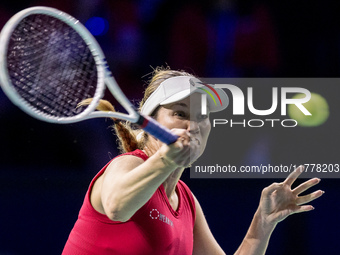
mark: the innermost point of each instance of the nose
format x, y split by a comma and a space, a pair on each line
193, 127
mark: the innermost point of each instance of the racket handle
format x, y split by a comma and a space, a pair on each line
158, 131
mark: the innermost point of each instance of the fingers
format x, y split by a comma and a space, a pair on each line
293, 176
299, 209
304, 208
185, 137
183, 151
180, 132
305, 186
271, 188
310, 197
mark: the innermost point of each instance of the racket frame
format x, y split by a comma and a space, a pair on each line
103, 73
104, 78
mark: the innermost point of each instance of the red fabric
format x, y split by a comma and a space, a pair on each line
154, 229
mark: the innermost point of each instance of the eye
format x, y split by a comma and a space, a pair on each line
202, 117
180, 114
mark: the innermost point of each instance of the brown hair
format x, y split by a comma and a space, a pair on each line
129, 137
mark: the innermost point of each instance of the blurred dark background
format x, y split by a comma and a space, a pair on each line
45, 169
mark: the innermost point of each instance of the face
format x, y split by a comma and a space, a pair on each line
179, 115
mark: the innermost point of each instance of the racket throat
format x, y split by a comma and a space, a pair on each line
155, 129
142, 121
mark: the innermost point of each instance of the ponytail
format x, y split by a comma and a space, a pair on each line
129, 138
126, 135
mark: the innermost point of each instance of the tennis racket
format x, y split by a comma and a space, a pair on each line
49, 63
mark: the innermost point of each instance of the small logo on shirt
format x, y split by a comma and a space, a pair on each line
156, 215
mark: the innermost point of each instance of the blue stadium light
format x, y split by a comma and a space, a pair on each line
97, 26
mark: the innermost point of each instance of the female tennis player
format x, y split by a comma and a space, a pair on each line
137, 203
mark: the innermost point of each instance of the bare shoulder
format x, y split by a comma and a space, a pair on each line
116, 168
124, 163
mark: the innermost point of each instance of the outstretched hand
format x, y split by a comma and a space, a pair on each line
279, 200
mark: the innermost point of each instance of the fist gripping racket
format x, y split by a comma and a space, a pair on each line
49, 63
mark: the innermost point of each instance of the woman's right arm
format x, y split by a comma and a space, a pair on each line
129, 182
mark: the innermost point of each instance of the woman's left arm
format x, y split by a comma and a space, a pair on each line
277, 202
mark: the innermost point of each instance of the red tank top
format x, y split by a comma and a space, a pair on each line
154, 229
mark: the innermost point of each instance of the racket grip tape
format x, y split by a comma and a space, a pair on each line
155, 129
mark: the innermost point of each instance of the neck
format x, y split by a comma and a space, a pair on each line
171, 182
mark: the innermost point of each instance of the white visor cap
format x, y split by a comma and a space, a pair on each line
177, 88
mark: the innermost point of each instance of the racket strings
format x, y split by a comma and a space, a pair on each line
50, 66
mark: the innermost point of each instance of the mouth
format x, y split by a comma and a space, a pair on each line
195, 140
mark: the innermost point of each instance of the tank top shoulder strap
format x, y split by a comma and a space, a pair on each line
138, 153
185, 190
87, 207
